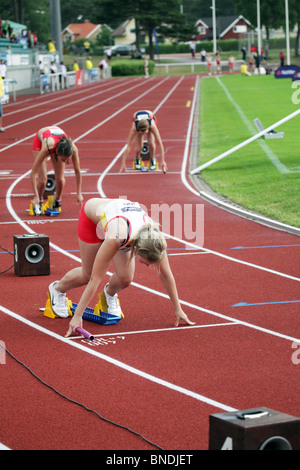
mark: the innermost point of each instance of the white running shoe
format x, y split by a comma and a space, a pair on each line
113, 307
58, 302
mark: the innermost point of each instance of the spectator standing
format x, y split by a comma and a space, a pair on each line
282, 57
5, 29
203, 55
193, 49
53, 68
51, 46
107, 52
251, 63
244, 50
146, 67
87, 46
63, 75
218, 62
2, 69
102, 66
89, 66
76, 66
231, 61
209, 63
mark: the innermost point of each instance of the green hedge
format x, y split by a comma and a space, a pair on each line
127, 67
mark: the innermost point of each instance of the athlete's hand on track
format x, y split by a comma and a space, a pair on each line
74, 323
181, 316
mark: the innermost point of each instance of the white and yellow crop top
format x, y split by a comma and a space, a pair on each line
131, 212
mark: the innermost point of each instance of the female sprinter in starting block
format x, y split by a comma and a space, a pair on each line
52, 141
143, 122
120, 231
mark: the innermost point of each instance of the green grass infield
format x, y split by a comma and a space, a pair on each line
264, 175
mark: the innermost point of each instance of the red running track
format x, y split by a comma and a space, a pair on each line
142, 373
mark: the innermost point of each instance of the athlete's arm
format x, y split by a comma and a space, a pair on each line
132, 134
76, 165
168, 281
155, 132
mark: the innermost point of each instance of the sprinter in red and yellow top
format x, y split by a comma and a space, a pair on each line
53, 142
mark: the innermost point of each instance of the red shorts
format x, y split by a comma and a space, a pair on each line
88, 231
37, 144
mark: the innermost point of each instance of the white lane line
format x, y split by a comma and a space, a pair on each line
71, 103
119, 364
159, 330
76, 115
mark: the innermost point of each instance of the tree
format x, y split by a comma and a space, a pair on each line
294, 19
271, 14
162, 15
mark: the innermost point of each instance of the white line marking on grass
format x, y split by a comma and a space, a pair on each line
271, 155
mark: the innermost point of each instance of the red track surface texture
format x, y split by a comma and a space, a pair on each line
159, 381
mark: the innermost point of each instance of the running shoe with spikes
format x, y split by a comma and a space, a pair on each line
113, 307
58, 301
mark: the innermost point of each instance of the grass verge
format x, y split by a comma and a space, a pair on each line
249, 176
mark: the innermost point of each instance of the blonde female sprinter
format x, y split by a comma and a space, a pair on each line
120, 231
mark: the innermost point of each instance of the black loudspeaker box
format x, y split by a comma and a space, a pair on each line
254, 429
31, 253
50, 185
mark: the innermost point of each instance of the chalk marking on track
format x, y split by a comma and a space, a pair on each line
120, 364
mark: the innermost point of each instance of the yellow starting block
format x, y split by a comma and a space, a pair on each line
48, 312
145, 165
46, 208
98, 315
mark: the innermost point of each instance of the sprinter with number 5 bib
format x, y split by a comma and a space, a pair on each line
144, 123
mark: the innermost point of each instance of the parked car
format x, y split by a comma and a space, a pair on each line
121, 50
127, 50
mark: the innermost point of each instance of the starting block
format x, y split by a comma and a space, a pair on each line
47, 208
96, 315
146, 165
145, 162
